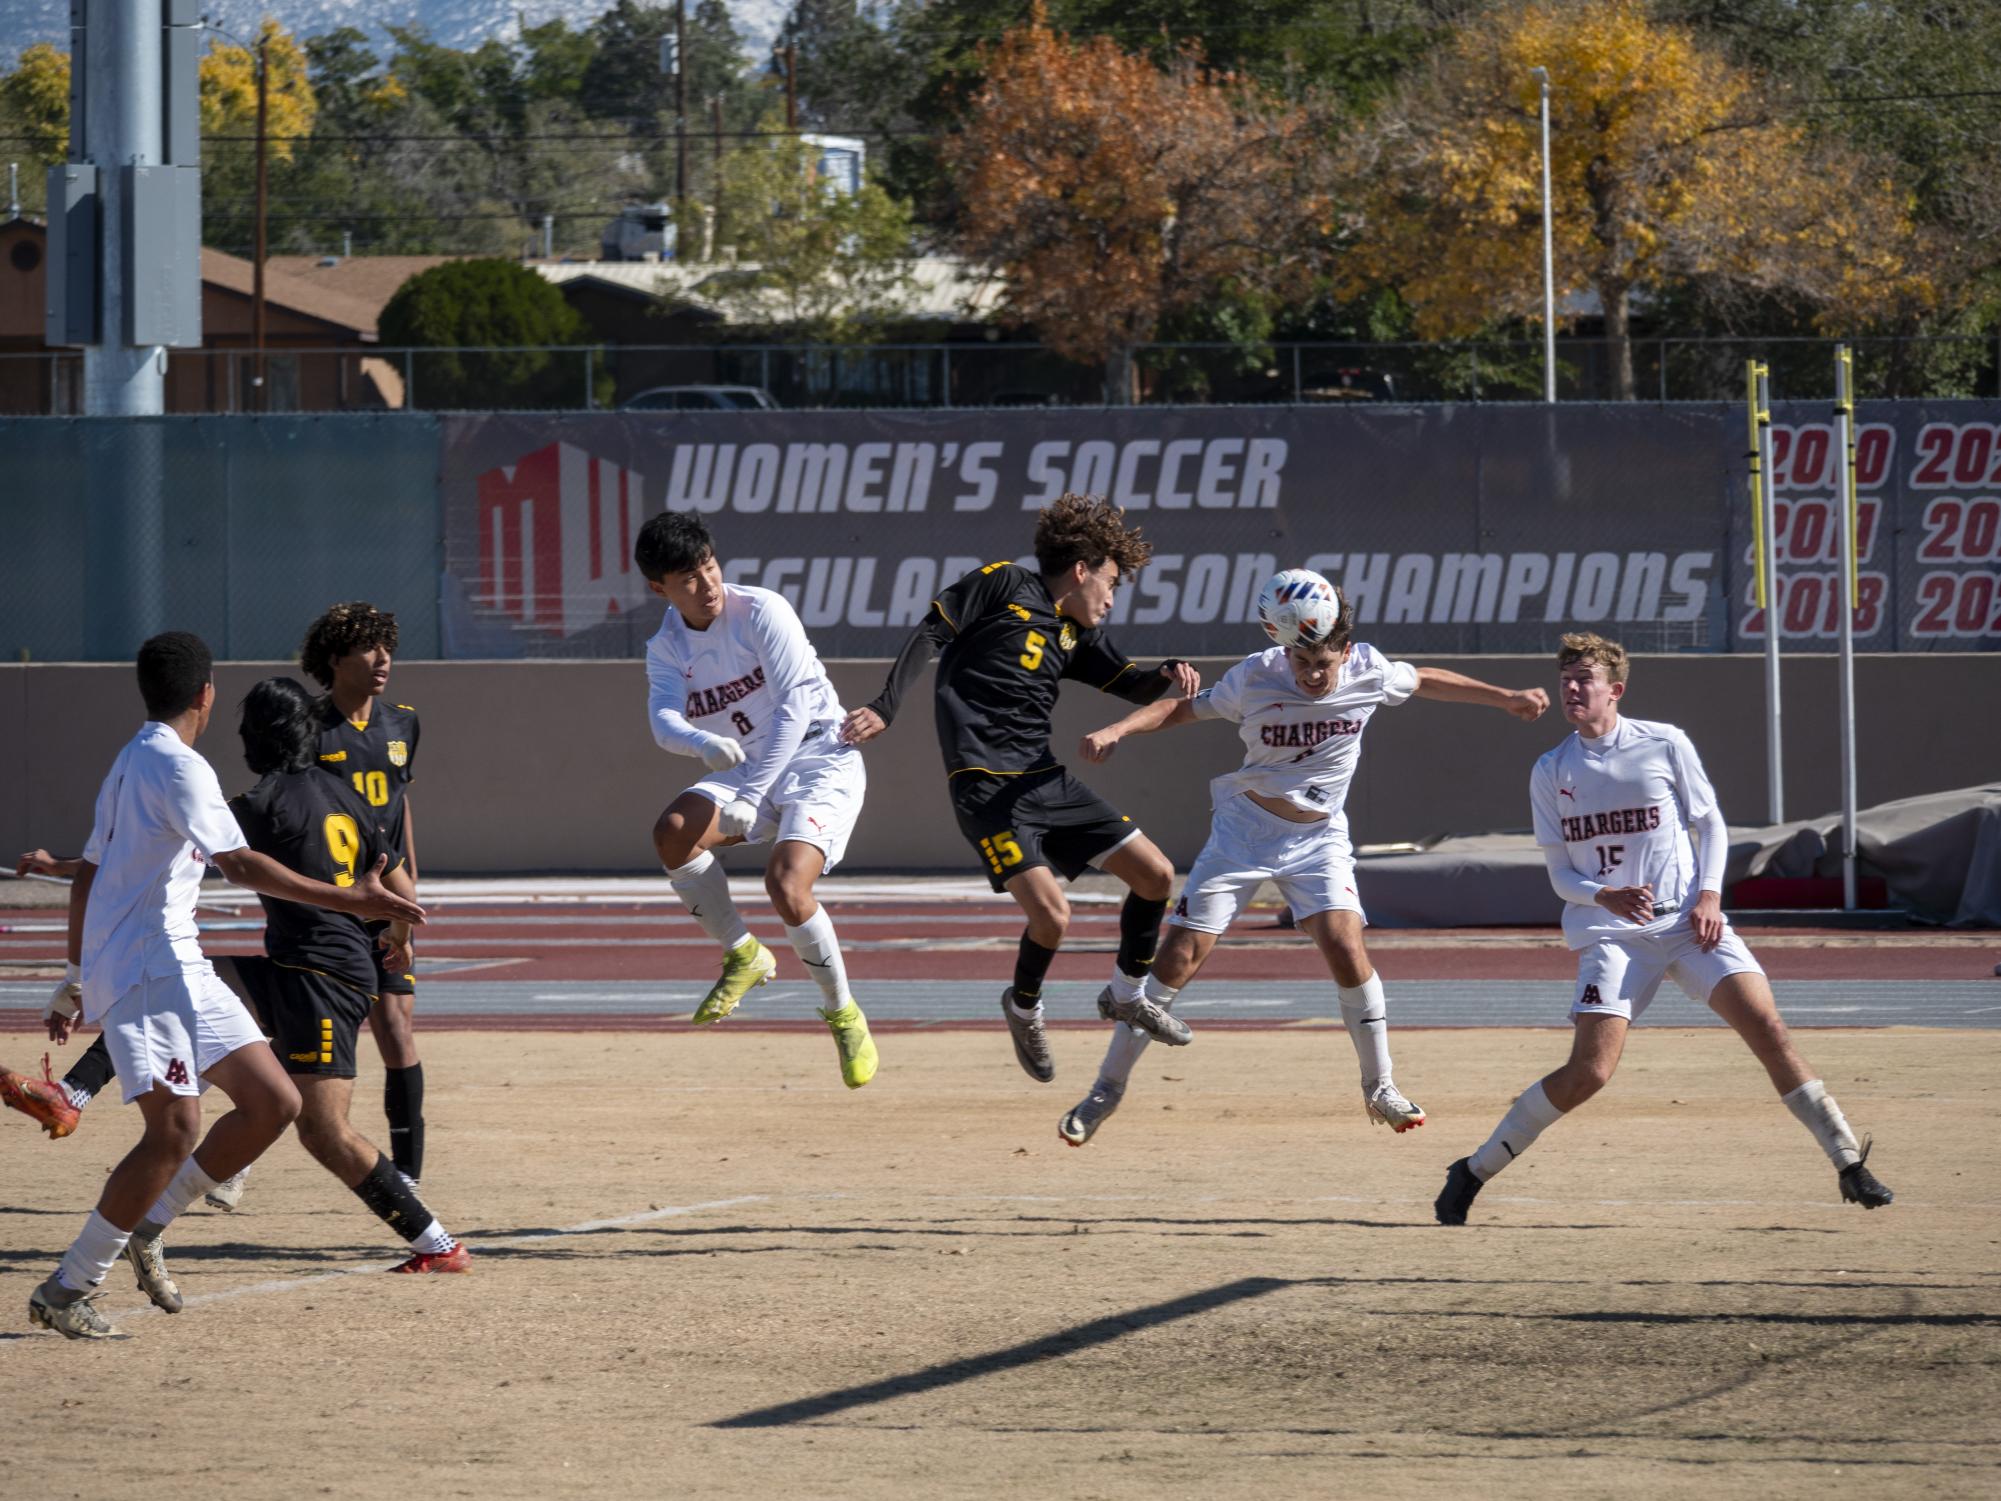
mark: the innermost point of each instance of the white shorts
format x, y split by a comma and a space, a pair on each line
1310, 864
816, 799
172, 1029
1618, 976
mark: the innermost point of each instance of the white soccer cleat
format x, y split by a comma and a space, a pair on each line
1388, 1107
227, 1194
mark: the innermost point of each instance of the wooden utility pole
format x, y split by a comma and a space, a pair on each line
680, 114
260, 397
791, 87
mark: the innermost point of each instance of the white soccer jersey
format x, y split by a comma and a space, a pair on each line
1299, 748
160, 817
730, 678
1620, 807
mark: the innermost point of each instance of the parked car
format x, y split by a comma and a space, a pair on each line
701, 399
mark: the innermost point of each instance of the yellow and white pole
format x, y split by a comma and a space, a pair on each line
1851, 599
1764, 537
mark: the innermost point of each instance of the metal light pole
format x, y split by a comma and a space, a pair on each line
1541, 76
1844, 449
257, 314
680, 117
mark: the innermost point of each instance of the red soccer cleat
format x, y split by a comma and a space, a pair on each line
457, 1259
44, 1099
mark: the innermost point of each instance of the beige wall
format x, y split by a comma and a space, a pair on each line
548, 765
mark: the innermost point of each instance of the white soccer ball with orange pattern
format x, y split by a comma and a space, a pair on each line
1299, 607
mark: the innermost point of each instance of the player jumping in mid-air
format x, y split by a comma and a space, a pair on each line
1300, 708
733, 681
1613, 805
171, 1025
1011, 635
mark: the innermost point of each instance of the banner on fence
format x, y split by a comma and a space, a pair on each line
1453, 529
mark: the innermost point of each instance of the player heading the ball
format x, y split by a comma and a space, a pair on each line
1010, 636
1300, 708
733, 682
1613, 804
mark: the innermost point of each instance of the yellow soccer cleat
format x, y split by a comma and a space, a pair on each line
852, 1042
745, 967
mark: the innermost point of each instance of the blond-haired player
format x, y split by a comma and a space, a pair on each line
1614, 803
1300, 708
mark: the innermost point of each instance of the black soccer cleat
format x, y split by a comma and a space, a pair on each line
1462, 1187
1860, 1186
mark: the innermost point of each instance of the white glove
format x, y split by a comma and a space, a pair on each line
68, 998
720, 753
735, 821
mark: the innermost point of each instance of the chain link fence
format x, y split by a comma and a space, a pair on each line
998, 373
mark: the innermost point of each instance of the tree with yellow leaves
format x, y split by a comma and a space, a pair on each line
229, 91
1112, 193
1665, 165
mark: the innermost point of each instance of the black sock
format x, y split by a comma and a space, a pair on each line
392, 1200
403, 1103
1139, 934
92, 1071
1031, 965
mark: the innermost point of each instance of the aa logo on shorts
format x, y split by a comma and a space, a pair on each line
177, 1072
1067, 638
1591, 997
399, 753
1181, 907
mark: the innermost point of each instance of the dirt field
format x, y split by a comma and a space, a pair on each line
704, 1266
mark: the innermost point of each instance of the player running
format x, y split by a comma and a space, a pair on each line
733, 681
172, 1027
1010, 636
1300, 708
1613, 805
372, 747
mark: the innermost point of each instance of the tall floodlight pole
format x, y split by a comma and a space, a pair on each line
680, 117
1541, 76
123, 282
261, 248
1850, 586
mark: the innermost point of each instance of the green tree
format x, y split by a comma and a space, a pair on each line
479, 305
812, 262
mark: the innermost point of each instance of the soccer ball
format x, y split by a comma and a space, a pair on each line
1299, 607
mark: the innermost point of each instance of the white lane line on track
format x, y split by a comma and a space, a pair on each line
531, 1237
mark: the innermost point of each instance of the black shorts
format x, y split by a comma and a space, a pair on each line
385, 982
312, 1018
1040, 818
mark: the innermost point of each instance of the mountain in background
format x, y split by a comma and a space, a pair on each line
455, 23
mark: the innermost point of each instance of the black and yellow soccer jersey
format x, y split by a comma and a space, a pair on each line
377, 760
1006, 654
313, 825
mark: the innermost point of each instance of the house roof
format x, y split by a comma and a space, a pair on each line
941, 287
367, 280
234, 274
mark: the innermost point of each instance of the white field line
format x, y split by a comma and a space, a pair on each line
317, 1279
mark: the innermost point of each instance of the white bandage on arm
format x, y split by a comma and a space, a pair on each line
1571, 883
1712, 850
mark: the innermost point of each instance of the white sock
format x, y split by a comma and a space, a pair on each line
1026, 1013
433, 1242
189, 1184
1366, 1016
1816, 1110
93, 1253
814, 942
1124, 986
78, 1097
703, 886
1530, 1116
1129, 1042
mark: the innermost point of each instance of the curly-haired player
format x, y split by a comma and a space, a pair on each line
1010, 636
373, 748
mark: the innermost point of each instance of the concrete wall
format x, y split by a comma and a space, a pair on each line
548, 765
